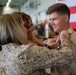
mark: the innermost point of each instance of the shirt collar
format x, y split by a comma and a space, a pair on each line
70, 30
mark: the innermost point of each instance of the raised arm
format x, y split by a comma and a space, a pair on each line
36, 57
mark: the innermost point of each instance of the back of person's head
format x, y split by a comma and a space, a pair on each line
60, 8
10, 29
26, 18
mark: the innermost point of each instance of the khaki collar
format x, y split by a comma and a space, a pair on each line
70, 30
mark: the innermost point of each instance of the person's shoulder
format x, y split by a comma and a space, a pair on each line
25, 47
34, 48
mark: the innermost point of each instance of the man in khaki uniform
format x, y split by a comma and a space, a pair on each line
59, 15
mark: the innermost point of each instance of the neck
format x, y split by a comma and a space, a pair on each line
66, 27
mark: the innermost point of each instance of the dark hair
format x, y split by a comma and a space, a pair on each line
60, 8
0, 47
26, 18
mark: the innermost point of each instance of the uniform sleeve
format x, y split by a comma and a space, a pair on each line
44, 57
36, 57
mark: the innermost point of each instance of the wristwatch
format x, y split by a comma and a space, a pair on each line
47, 46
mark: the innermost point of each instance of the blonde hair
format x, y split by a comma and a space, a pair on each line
10, 30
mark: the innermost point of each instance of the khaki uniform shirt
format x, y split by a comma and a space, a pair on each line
70, 70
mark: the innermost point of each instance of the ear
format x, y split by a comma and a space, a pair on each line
66, 18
